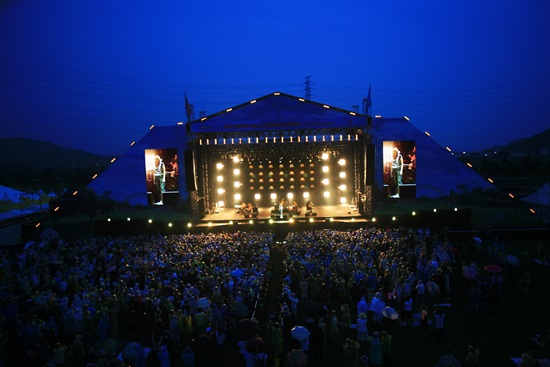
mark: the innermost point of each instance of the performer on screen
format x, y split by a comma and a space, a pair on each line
396, 171
159, 175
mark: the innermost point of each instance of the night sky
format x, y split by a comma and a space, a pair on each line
96, 75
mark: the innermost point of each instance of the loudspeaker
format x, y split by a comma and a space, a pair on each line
190, 170
370, 165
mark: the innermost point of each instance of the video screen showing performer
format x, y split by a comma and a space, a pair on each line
399, 159
162, 174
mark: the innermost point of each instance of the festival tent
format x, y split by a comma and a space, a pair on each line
539, 197
9, 194
438, 172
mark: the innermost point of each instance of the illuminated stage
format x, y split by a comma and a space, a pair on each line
326, 212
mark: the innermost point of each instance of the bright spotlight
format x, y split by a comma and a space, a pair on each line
128, 219
325, 169
221, 191
324, 156
342, 187
219, 165
310, 220
393, 218
170, 225
237, 197
413, 213
342, 162
150, 221
271, 221
236, 171
273, 196
343, 200
250, 221
435, 210
306, 195
291, 220
219, 178
290, 196
236, 184
326, 194
257, 196
324, 181
342, 174
189, 225
236, 159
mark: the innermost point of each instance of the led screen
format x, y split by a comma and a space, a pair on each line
399, 159
162, 176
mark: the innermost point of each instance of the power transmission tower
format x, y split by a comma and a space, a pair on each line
307, 88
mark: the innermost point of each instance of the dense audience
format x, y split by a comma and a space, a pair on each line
192, 300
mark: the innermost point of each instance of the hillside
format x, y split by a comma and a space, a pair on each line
37, 153
533, 145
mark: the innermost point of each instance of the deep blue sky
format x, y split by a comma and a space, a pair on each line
95, 75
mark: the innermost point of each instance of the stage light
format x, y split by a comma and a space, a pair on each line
128, 219
343, 200
373, 219
342, 162
219, 165
170, 225
221, 191
413, 213
257, 196
231, 222
219, 178
150, 221
325, 169
189, 225
236, 171
253, 101
108, 219
326, 194
326, 106
250, 221
510, 195
456, 209
301, 100
229, 110
236, 159
324, 156
270, 221
353, 219
324, 181
469, 164
427, 133
342, 174
236, 184
331, 219
291, 220
435, 210
273, 196
290, 196
237, 197
306, 195
209, 224
532, 210
310, 220
342, 187
94, 176
393, 218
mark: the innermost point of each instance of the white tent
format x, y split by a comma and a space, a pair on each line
540, 197
9, 194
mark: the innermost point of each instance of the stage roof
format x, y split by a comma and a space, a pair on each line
279, 111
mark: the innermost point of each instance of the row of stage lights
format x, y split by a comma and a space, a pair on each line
274, 221
300, 179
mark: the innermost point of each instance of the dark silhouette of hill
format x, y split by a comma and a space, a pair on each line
37, 153
533, 145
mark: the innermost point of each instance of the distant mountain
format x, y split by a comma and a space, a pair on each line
537, 144
37, 153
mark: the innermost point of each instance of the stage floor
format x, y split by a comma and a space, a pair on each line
342, 211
